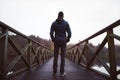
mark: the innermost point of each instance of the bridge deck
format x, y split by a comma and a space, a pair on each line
44, 72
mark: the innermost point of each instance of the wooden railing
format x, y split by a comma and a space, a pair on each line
17, 56
79, 53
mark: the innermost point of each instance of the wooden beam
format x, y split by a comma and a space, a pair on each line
115, 36
100, 60
3, 53
112, 57
97, 51
19, 52
83, 52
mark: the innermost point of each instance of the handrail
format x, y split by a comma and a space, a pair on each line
19, 33
32, 53
113, 25
79, 52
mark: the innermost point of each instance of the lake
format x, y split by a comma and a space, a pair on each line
102, 69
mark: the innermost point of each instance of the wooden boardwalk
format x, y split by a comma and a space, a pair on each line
44, 72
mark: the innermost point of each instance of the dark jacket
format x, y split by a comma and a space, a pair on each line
58, 31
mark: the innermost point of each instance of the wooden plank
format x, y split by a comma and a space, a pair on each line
100, 60
104, 65
17, 72
15, 48
3, 35
83, 52
75, 53
118, 72
34, 57
112, 57
74, 72
16, 59
111, 26
97, 72
3, 53
0, 73
115, 36
13, 63
37, 54
97, 51
3, 25
101, 73
29, 53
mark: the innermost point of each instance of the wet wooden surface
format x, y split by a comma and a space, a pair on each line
45, 72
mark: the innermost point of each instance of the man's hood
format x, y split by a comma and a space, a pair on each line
60, 21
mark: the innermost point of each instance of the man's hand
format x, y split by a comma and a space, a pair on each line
68, 39
53, 40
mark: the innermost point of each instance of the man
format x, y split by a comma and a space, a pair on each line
58, 31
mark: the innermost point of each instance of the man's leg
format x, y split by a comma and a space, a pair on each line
55, 61
63, 52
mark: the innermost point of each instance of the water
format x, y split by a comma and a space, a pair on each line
102, 69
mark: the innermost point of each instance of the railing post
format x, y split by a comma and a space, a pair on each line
3, 53
86, 53
71, 54
112, 57
29, 53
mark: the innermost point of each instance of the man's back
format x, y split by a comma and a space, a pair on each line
60, 27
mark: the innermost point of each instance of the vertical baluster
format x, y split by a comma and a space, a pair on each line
86, 53
112, 58
71, 54
3, 53
29, 53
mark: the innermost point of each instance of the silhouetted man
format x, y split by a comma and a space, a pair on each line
60, 34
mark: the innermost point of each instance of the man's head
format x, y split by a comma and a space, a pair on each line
60, 15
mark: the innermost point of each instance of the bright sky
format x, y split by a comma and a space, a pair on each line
36, 16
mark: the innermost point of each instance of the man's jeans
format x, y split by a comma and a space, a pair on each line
62, 46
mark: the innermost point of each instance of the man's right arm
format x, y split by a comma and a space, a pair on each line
52, 32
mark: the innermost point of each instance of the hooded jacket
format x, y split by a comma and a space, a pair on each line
58, 30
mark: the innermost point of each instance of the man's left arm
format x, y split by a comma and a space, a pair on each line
69, 32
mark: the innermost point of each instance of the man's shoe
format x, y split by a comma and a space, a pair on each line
63, 74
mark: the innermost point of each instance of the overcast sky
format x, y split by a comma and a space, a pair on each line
36, 16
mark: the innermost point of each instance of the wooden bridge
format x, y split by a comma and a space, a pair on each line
30, 60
